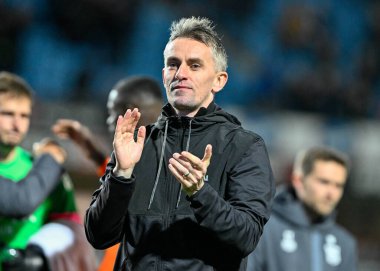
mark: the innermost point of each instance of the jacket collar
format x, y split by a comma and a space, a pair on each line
169, 111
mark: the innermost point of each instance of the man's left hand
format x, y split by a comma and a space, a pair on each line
190, 170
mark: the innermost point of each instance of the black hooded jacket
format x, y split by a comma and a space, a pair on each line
159, 226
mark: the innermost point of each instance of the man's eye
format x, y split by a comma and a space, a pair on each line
195, 66
172, 65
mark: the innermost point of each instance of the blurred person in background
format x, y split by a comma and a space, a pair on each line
170, 205
50, 236
302, 233
140, 92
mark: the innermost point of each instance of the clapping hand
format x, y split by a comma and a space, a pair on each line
190, 170
128, 151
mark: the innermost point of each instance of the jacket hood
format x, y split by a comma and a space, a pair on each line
287, 207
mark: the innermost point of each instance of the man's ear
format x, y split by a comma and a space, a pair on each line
219, 82
297, 181
163, 76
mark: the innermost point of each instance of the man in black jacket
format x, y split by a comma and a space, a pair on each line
194, 190
302, 233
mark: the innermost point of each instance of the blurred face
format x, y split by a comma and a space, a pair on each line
14, 119
117, 104
322, 189
189, 76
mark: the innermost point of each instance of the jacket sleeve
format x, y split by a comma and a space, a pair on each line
105, 216
20, 199
239, 216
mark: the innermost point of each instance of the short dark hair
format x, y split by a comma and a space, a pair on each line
14, 85
305, 160
138, 84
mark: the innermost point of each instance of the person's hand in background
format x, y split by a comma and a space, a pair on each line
82, 136
52, 147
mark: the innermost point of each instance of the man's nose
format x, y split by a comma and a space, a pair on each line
182, 72
16, 123
334, 192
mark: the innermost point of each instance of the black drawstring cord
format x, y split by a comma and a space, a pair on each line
187, 149
159, 166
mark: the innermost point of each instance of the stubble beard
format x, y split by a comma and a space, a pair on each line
184, 107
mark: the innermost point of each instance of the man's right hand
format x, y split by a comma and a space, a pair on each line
128, 151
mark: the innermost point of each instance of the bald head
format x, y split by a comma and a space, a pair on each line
141, 92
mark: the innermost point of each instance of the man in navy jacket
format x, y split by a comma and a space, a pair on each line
194, 190
302, 233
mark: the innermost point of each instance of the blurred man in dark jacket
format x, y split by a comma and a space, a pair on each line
302, 233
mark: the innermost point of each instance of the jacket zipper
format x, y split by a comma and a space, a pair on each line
316, 253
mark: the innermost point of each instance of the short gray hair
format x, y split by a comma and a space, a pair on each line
202, 30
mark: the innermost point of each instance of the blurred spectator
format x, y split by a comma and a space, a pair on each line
51, 236
302, 233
